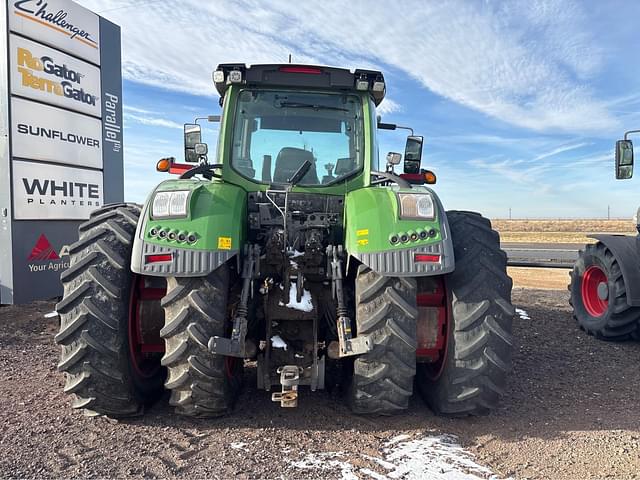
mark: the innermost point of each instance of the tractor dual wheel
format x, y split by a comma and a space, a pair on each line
468, 371
382, 381
108, 368
202, 384
598, 296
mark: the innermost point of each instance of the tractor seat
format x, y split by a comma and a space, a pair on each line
289, 160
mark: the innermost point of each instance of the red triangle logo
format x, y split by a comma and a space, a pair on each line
43, 250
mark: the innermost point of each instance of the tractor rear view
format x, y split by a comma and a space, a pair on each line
605, 281
294, 250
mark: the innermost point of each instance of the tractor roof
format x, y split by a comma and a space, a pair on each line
300, 76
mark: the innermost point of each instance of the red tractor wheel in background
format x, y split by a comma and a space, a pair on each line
598, 296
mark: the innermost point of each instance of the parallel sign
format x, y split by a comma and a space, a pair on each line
43, 191
50, 76
58, 23
41, 132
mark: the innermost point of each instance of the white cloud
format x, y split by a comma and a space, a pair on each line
388, 107
153, 121
560, 149
527, 63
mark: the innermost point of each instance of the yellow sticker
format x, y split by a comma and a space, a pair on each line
363, 241
224, 243
362, 233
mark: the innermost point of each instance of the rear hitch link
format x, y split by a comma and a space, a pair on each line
348, 345
237, 346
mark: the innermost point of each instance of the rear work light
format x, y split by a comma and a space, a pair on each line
158, 258
300, 69
218, 76
426, 257
235, 76
378, 86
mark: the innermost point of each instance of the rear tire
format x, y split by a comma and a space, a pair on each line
382, 380
610, 320
479, 341
202, 384
94, 319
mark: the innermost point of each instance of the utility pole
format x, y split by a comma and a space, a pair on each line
509, 213
608, 212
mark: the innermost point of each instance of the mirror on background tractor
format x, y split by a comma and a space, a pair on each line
624, 159
192, 137
413, 154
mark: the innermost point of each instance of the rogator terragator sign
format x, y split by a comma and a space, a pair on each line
60, 137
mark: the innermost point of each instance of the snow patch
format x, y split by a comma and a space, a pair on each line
305, 304
51, 315
522, 314
327, 461
278, 342
239, 446
438, 457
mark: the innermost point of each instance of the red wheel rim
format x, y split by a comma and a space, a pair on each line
143, 356
436, 353
592, 278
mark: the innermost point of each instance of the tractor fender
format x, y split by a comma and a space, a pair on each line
215, 216
626, 250
373, 220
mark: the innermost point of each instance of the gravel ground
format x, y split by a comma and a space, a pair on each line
571, 411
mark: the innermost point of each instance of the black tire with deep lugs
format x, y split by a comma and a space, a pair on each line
94, 313
479, 341
386, 310
202, 384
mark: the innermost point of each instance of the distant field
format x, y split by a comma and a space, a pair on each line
559, 231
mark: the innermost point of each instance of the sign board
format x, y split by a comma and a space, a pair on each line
43, 191
41, 132
60, 137
58, 23
50, 76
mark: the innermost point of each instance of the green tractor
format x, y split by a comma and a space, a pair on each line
605, 281
295, 251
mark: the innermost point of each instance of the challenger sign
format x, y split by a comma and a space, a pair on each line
60, 137
59, 23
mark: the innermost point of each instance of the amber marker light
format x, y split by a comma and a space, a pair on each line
163, 165
429, 177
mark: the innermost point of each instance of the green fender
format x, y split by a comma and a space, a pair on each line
372, 220
216, 216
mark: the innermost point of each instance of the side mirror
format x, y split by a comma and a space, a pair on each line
192, 137
413, 154
624, 159
393, 158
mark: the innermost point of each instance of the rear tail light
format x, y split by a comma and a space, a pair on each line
158, 258
426, 257
300, 69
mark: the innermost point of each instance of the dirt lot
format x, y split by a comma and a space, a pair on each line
559, 231
571, 411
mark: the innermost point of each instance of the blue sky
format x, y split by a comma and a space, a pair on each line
520, 102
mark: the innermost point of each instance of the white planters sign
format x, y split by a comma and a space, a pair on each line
50, 76
59, 23
41, 132
49, 192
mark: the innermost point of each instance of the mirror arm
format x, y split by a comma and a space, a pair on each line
626, 134
391, 177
